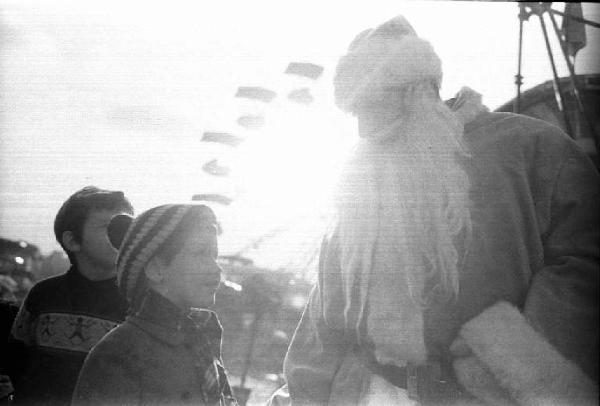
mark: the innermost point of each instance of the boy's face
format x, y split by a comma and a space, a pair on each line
193, 275
95, 251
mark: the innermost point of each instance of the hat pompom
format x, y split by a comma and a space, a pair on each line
117, 228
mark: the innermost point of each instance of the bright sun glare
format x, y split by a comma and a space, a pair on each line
294, 161
124, 92
285, 173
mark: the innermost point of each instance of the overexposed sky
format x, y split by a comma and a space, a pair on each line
119, 95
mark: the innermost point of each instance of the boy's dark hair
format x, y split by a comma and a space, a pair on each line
74, 212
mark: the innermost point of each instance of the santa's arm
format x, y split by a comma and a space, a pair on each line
316, 350
562, 302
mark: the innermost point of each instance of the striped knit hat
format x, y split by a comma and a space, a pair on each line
139, 239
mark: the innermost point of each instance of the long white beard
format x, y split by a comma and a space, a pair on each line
402, 204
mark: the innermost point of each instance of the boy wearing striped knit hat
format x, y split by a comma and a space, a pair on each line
168, 349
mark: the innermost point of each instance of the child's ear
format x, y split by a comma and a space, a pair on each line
155, 270
69, 242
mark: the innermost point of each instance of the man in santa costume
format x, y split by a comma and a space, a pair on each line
463, 264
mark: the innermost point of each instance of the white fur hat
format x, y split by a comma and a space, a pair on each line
391, 55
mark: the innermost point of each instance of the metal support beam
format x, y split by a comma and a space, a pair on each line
523, 15
560, 98
572, 17
580, 106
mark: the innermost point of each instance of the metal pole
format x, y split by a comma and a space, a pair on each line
572, 17
518, 78
557, 90
253, 333
580, 106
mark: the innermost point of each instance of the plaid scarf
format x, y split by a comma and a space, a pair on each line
202, 330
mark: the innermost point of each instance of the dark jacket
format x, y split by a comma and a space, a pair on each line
61, 319
157, 356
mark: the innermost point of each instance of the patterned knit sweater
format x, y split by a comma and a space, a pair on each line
61, 319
